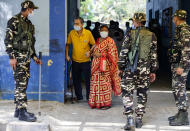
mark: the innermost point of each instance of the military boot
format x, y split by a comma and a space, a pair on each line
181, 119
16, 114
171, 118
130, 126
138, 122
25, 116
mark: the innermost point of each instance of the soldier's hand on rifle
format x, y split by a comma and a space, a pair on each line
152, 77
179, 71
38, 61
13, 63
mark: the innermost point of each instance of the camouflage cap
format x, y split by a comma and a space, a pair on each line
28, 4
140, 17
181, 14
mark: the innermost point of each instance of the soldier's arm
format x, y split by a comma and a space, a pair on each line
185, 53
123, 57
34, 56
153, 55
12, 29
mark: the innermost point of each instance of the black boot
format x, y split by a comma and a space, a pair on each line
16, 114
130, 126
171, 118
139, 123
181, 119
25, 116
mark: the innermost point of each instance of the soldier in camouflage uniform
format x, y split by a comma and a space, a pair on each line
180, 66
139, 76
19, 42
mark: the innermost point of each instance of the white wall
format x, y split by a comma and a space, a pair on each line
8, 8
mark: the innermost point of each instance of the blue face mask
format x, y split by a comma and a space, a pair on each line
77, 28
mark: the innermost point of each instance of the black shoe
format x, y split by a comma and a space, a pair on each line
25, 116
139, 123
171, 118
31, 114
16, 114
130, 126
181, 119
79, 98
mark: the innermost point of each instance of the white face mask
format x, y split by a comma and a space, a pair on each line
77, 28
31, 14
104, 34
133, 26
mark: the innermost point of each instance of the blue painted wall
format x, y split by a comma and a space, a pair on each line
53, 77
57, 47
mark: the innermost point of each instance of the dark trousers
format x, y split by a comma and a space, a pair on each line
77, 70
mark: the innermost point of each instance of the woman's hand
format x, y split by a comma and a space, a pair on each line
97, 55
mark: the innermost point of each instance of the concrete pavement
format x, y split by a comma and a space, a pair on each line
79, 117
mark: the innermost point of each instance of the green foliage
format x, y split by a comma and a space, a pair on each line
106, 10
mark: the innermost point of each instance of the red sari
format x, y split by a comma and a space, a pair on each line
103, 83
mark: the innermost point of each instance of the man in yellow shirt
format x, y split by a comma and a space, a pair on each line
81, 40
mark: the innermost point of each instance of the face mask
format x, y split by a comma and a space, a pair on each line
77, 28
31, 14
104, 34
133, 26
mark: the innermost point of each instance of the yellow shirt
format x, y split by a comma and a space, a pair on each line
80, 45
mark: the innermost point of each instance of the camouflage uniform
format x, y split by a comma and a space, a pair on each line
182, 43
14, 42
139, 79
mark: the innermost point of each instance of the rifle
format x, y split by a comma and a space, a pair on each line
134, 53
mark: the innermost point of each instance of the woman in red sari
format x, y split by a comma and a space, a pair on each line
106, 80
